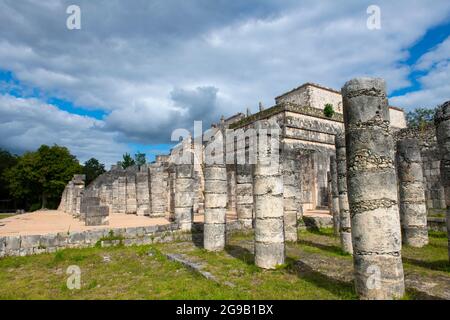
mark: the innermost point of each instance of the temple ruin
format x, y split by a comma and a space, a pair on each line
358, 162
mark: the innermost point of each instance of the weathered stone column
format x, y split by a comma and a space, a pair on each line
291, 192
121, 194
184, 196
244, 194
334, 205
345, 229
216, 195
115, 196
269, 209
70, 196
372, 190
131, 205
157, 191
142, 192
442, 122
413, 211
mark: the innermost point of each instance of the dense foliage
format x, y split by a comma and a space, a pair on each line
92, 169
38, 178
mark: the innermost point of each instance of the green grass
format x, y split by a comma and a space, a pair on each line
4, 216
143, 272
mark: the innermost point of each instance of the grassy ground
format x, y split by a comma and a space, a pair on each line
143, 272
3, 216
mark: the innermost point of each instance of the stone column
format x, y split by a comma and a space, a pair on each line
115, 196
291, 193
184, 196
345, 229
142, 192
121, 194
334, 205
131, 193
442, 122
269, 209
157, 191
244, 194
413, 211
372, 190
216, 196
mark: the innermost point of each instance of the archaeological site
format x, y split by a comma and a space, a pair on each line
270, 176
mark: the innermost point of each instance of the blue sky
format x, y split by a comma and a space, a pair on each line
131, 75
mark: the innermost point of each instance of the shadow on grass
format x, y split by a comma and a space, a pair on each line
241, 253
438, 265
305, 272
325, 247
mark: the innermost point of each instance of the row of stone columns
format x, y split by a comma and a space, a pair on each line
442, 122
334, 199
291, 193
345, 230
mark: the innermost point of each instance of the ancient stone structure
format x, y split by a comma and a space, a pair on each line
244, 194
372, 190
429, 152
184, 195
334, 205
269, 209
413, 212
442, 122
306, 140
216, 194
271, 199
345, 229
143, 204
291, 193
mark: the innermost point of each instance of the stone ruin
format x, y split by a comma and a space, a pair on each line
378, 178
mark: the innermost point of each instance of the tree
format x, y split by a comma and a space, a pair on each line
92, 169
7, 160
328, 111
127, 161
43, 174
139, 158
420, 117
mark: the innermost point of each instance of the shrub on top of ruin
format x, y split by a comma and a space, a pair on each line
420, 118
328, 111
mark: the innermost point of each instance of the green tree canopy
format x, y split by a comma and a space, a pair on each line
43, 174
127, 161
140, 159
92, 169
7, 160
420, 117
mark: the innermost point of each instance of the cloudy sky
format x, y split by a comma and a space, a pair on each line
136, 69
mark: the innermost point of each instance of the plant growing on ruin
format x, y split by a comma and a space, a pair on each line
420, 118
328, 111
127, 161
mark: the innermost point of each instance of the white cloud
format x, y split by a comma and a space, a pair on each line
25, 124
435, 83
156, 66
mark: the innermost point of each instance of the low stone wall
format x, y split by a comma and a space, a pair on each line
437, 224
25, 245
